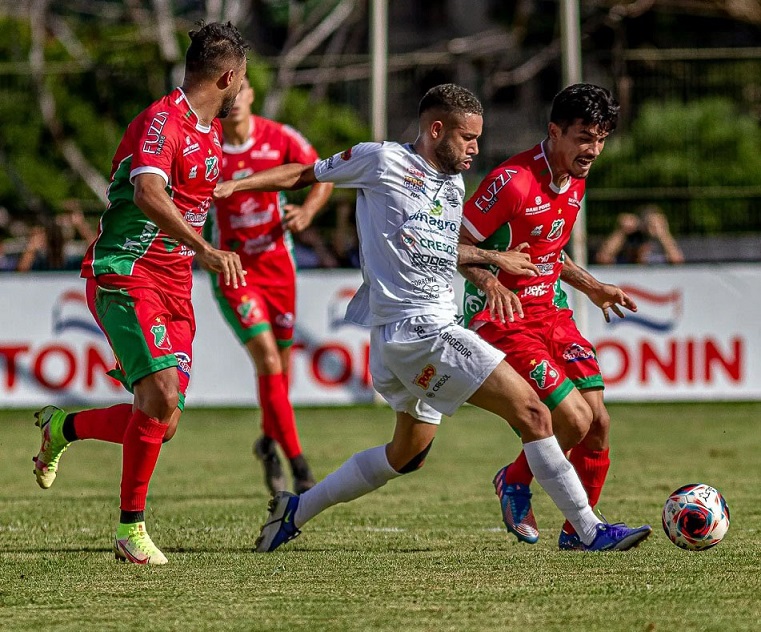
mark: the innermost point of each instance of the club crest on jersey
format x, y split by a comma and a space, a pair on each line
436, 208
212, 168
249, 312
556, 230
347, 154
160, 336
426, 375
544, 374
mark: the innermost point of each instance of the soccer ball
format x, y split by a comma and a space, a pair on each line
696, 517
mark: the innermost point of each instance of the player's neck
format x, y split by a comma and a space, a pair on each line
238, 133
205, 108
559, 178
426, 153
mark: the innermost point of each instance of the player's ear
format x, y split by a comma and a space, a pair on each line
554, 131
436, 128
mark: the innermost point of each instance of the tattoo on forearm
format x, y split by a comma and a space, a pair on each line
477, 276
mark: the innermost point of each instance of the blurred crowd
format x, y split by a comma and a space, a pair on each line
58, 242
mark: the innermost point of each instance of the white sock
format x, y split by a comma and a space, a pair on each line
362, 473
561, 482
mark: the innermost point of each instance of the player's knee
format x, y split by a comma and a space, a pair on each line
577, 423
599, 430
416, 462
534, 420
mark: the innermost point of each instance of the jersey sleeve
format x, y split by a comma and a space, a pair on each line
298, 148
359, 167
495, 202
157, 139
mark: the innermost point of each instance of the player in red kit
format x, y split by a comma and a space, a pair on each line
530, 202
139, 277
256, 226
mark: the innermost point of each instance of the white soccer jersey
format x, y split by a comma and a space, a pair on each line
408, 221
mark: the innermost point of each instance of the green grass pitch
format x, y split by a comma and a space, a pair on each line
426, 552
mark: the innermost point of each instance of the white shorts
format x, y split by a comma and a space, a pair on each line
427, 368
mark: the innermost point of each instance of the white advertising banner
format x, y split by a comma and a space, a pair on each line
693, 338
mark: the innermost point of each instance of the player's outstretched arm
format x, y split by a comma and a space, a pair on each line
152, 199
288, 177
605, 295
298, 217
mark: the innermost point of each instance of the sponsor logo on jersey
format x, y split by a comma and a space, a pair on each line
436, 209
488, 198
154, 139
132, 246
440, 382
438, 246
414, 184
575, 352
574, 201
423, 379
540, 289
160, 336
539, 207
474, 303
435, 222
191, 149
196, 218
257, 245
432, 262
212, 168
556, 230
456, 344
451, 195
545, 269
545, 258
416, 172
329, 163
420, 331
193, 172
183, 362
242, 173
428, 288
265, 152
346, 155
537, 230
544, 374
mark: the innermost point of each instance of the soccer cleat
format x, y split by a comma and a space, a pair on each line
50, 421
618, 537
279, 527
274, 478
517, 514
570, 541
132, 544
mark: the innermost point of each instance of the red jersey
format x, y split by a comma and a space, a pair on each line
250, 222
166, 139
517, 203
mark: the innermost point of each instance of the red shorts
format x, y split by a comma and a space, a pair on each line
254, 308
547, 349
148, 329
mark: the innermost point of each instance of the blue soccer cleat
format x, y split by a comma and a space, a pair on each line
618, 537
570, 541
517, 515
279, 527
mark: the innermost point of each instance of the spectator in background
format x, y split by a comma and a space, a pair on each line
311, 251
643, 238
345, 239
57, 243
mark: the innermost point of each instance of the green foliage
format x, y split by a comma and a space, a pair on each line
683, 149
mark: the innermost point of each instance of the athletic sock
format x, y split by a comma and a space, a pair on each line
140, 452
519, 471
558, 478
592, 467
278, 420
300, 468
104, 424
362, 473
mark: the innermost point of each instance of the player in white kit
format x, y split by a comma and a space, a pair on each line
409, 209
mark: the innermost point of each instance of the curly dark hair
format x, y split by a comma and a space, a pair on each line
214, 47
591, 104
450, 98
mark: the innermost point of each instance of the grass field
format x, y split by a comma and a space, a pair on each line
427, 552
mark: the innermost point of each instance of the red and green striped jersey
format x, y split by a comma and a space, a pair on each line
166, 139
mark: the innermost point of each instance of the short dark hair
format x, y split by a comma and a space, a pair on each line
213, 48
591, 104
450, 98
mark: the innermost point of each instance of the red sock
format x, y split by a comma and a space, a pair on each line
104, 424
592, 467
519, 471
141, 447
278, 420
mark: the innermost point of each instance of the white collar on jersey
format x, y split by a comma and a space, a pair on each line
554, 189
